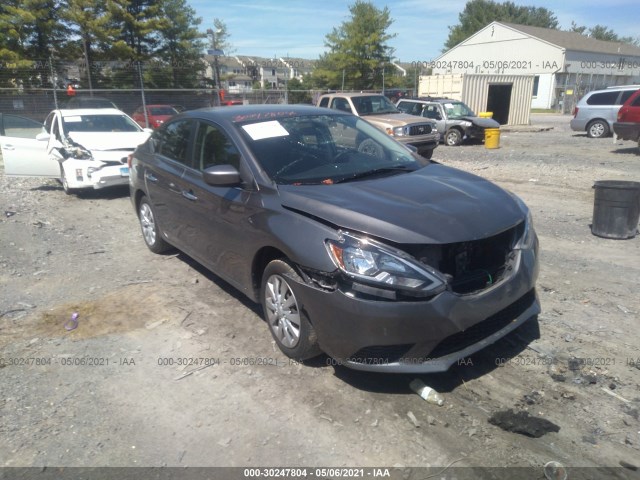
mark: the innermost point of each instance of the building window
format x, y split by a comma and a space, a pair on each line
273, 72
536, 82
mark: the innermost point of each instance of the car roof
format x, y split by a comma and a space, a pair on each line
353, 94
431, 99
89, 111
613, 89
247, 113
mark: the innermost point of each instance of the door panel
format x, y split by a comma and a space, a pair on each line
22, 154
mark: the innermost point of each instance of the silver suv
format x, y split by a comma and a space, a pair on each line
454, 119
597, 110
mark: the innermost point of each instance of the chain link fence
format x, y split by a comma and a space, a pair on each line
32, 89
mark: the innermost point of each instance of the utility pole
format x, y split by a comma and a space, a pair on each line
215, 52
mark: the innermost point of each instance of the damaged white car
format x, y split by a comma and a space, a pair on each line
83, 148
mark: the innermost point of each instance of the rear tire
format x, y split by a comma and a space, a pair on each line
289, 325
597, 129
150, 229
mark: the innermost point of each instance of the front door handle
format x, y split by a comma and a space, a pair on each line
8, 147
189, 195
151, 177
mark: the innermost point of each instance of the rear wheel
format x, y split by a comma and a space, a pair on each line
150, 230
289, 325
597, 129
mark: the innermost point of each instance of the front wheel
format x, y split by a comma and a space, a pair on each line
426, 152
598, 129
150, 230
289, 325
453, 138
65, 183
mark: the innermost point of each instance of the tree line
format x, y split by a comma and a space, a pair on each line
159, 43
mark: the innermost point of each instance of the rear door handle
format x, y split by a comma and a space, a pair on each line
151, 177
189, 195
8, 147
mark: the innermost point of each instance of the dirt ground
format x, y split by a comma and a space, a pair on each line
170, 366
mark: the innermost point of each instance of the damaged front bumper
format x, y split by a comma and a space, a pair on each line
421, 335
95, 174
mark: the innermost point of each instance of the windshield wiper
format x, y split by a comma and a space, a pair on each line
375, 171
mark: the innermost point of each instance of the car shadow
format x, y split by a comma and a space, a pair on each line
635, 150
477, 365
110, 193
219, 282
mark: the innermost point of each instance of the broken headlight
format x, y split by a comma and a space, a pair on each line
528, 236
372, 263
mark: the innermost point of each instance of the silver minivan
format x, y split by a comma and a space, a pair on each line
597, 110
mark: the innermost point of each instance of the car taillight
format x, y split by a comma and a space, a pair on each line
620, 114
129, 160
575, 112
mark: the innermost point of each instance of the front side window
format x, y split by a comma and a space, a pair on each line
213, 147
172, 141
326, 149
20, 127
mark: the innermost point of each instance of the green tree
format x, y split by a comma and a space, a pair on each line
358, 50
601, 32
31, 29
298, 92
92, 24
477, 14
178, 58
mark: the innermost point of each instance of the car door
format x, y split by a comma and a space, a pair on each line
23, 154
217, 217
163, 176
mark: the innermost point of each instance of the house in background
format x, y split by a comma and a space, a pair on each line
565, 65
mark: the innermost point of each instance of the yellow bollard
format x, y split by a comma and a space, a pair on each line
492, 138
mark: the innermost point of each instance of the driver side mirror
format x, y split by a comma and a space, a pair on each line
221, 176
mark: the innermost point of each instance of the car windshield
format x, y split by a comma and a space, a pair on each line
162, 110
99, 123
326, 149
373, 105
458, 110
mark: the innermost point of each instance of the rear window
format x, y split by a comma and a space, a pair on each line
626, 96
162, 111
636, 101
604, 98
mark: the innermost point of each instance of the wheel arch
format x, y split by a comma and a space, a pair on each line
261, 259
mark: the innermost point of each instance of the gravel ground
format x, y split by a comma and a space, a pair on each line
115, 391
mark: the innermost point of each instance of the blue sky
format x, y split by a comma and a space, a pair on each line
272, 28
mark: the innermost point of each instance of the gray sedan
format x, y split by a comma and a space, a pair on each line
353, 244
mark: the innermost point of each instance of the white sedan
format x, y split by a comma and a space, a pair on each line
84, 148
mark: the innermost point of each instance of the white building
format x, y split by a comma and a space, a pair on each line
565, 65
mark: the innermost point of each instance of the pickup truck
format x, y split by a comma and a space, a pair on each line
628, 125
381, 113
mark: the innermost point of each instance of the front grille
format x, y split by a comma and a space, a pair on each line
482, 330
421, 129
471, 266
380, 354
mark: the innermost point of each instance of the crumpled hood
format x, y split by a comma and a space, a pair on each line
436, 204
109, 140
482, 122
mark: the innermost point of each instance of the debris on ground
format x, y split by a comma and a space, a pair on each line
523, 423
413, 419
555, 471
427, 393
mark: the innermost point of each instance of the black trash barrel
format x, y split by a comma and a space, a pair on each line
616, 209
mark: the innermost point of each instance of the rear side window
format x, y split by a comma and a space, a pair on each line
604, 98
173, 141
625, 96
324, 102
412, 108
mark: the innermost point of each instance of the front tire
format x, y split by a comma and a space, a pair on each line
597, 129
453, 137
289, 325
426, 153
150, 230
65, 183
